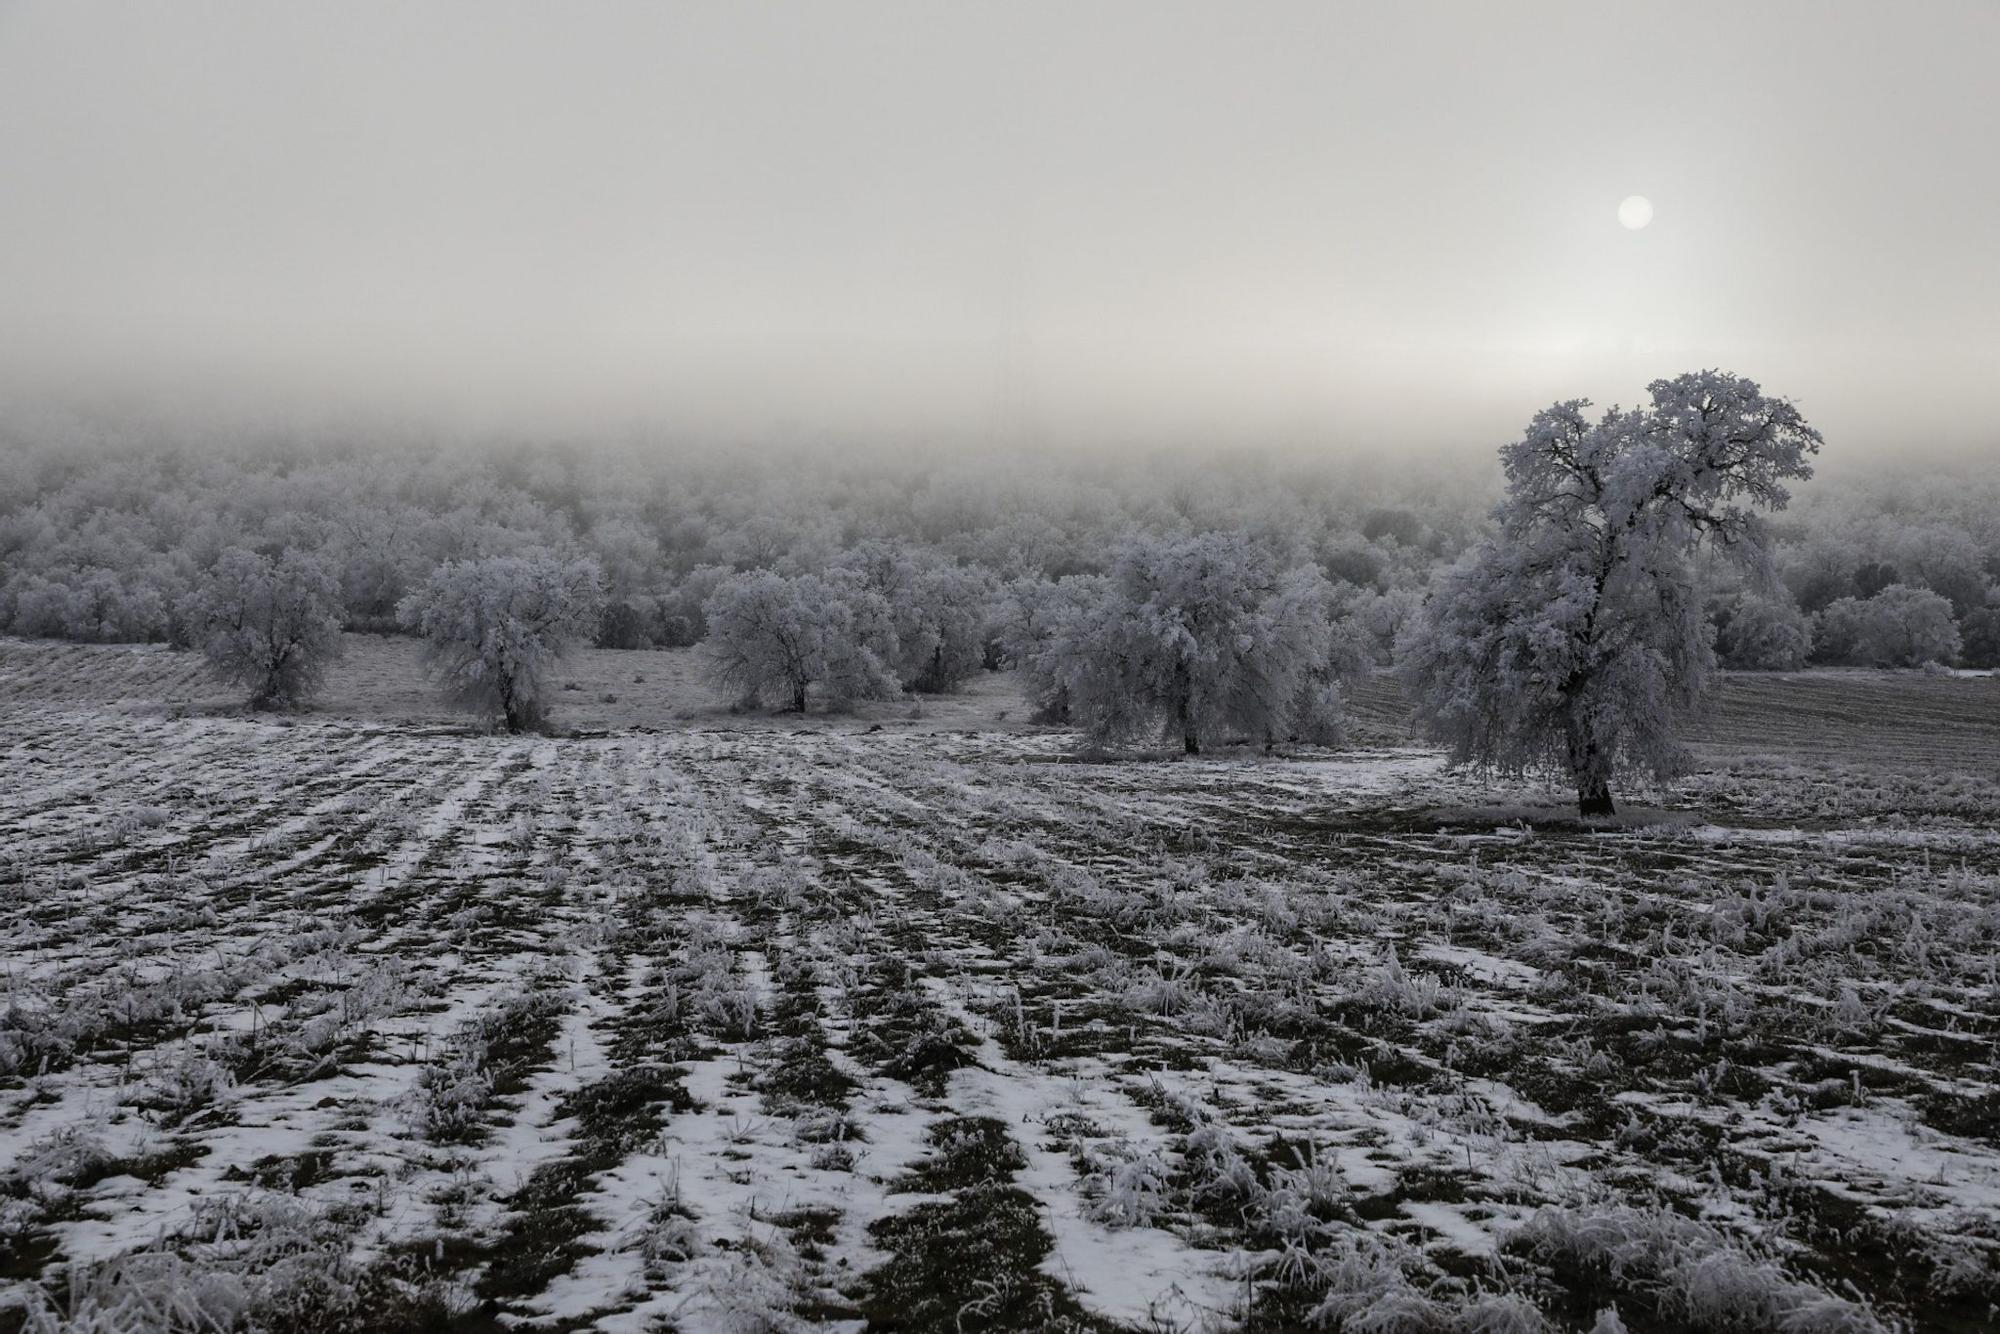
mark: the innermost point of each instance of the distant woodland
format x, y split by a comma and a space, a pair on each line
109, 539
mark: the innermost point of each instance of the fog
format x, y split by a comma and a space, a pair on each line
1208, 226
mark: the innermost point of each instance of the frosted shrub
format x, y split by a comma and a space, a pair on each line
19, 1219
64, 1155
1219, 1170
1961, 1262
1163, 993
729, 1009
1498, 1313
1315, 1179
704, 984
315, 1026
1850, 1016
1302, 1201
453, 1091
32, 1035
788, 887
249, 1262
1761, 633
95, 605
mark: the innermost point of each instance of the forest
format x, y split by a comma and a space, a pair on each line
112, 538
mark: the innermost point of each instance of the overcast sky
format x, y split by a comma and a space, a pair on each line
1344, 226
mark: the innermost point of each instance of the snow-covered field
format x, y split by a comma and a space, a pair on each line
352, 1024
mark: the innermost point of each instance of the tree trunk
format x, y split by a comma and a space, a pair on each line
510, 709
1184, 710
798, 697
1593, 796
1590, 763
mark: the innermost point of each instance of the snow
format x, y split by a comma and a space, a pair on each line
1110, 945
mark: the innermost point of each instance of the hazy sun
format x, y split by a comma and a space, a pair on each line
1636, 211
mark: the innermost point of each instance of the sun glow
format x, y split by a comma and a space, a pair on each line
1635, 211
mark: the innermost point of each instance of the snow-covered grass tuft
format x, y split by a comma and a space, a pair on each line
1689, 1271
1126, 1184
487, 1053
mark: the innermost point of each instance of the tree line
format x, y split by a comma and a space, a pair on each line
1199, 638
100, 538
1573, 626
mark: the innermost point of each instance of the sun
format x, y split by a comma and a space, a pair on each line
1635, 211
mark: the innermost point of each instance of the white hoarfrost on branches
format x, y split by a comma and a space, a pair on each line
787, 635
1899, 626
271, 625
1195, 639
1574, 640
1760, 632
1026, 615
940, 611
493, 628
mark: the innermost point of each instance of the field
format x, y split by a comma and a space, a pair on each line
359, 1020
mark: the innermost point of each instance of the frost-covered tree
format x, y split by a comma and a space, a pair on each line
1761, 633
1375, 621
787, 635
373, 549
682, 621
1899, 626
493, 628
1817, 572
271, 625
940, 610
1194, 639
1979, 637
941, 621
94, 605
1871, 577
1836, 632
1946, 561
1908, 627
1025, 616
1573, 640
631, 561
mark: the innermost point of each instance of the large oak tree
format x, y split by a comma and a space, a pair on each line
1573, 639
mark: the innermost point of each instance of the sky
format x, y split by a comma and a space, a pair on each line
1082, 224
